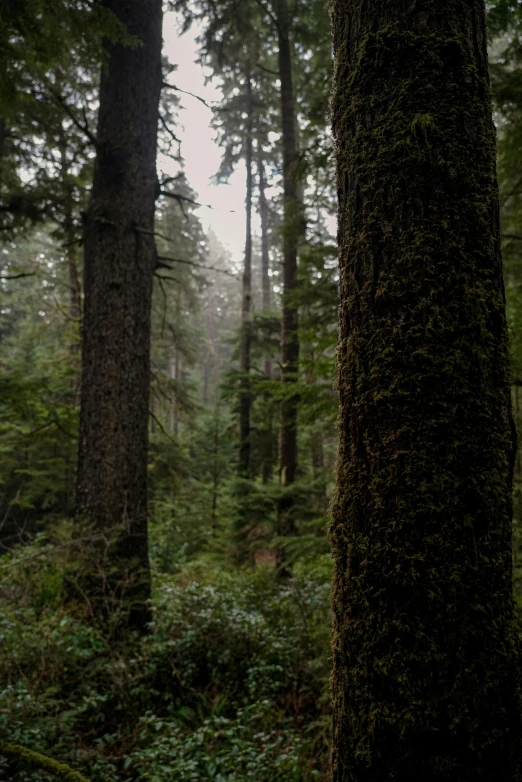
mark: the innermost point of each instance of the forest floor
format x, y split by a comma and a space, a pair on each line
231, 683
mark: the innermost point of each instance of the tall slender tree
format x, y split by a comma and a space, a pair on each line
426, 679
245, 400
266, 293
120, 258
292, 209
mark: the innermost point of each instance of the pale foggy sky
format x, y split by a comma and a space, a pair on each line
201, 154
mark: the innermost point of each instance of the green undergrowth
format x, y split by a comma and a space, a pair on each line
230, 684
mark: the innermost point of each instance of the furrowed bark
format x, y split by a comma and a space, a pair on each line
426, 678
120, 257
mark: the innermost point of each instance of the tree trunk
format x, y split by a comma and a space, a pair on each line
426, 679
317, 449
210, 379
71, 241
215, 471
174, 370
3, 150
71, 255
246, 312
263, 214
268, 434
177, 375
119, 261
291, 229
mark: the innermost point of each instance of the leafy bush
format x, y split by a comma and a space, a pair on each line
250, 745
231, 682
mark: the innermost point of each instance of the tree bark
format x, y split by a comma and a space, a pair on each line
268, 434
71, 255
263, 214
426, 678
291, 229
71, 243
120, 256
245, 400
317, 453
3, 150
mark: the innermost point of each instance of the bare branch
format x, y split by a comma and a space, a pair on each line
270, 15
17, 276
155, 419
83, 126
179, 198
166, 276
267, 70
168, 86
171, 133
191, 263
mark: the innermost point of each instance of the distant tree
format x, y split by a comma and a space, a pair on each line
230, 45
120, 258
426, 679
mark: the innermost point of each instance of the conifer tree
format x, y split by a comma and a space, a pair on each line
120, 258
245, 401
426, 679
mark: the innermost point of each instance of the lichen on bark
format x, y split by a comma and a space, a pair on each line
426, 680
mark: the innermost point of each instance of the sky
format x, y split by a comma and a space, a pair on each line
201, 154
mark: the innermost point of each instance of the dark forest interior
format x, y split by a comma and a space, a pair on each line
260, 485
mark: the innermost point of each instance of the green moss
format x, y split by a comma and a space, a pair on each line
426, 678
29, 756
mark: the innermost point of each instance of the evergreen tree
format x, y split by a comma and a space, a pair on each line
426, 680
120, 258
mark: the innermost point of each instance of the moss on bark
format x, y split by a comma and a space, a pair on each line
426, 678
32, 758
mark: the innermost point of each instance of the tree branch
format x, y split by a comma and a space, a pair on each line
41, 761
163, 430
168, 86
179, 198
164, 258
270, 15
83, 126
171, 133
17, 276
267, 70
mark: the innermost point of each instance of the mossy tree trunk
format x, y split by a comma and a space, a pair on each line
120, 256
426, 680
